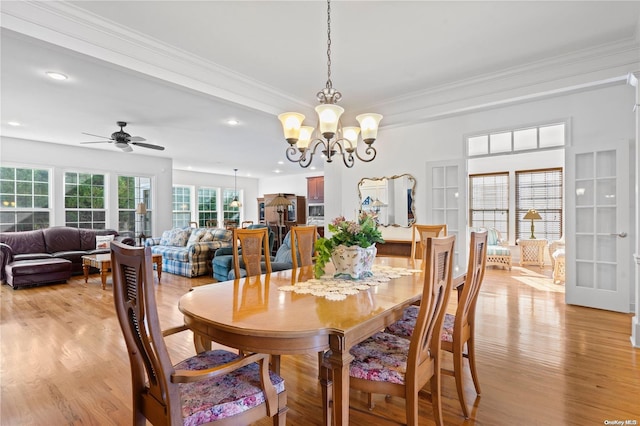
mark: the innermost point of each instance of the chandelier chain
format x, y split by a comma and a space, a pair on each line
329, 83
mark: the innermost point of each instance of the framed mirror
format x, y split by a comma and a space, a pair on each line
391, 198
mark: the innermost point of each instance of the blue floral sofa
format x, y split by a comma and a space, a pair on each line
189, 251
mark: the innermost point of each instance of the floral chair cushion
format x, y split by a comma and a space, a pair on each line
404, 327
223, 396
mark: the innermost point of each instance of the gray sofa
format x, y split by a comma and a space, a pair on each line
50, 255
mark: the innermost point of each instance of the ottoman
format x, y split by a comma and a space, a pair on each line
25, 273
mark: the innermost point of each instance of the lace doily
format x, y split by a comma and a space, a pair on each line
338, 289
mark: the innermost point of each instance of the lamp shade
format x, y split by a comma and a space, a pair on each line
235, 203
278, 201
141, 209
532, 214
369, 125
329, 116
306, 132
291, 122
351, 134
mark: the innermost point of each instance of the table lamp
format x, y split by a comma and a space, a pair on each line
532, 214
142, 211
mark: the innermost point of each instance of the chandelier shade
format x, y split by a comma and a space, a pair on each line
329, 136
235, 203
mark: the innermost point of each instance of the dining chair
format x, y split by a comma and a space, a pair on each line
255, 251
246, 223
213, 386
458, 329
420, 233
392, 365
303, 241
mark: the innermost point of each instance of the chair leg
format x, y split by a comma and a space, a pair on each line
436, 402
458, 372
471, 354
412, 406
326, 383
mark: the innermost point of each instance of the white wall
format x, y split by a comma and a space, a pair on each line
595, 116
292, 184
63, 158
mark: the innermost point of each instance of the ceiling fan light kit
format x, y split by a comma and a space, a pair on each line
329, 135
124, 140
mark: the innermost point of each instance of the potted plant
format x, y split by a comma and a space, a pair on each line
351, 247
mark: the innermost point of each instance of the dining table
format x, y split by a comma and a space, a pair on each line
256, 314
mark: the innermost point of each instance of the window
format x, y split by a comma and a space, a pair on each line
181, 206
230, 214
133, 190
489, 202
84, 200
517, 140
540, 190
207, 207
24, 194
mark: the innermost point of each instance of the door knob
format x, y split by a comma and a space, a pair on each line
620, 234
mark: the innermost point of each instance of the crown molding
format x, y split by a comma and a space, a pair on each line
71, 27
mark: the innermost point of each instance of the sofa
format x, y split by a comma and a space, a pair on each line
189, 251
222, 263
50, 255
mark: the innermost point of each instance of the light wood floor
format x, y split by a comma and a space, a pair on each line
541, 362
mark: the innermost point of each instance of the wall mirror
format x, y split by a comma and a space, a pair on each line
391, 198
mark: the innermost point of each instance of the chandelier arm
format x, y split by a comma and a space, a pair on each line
369, 151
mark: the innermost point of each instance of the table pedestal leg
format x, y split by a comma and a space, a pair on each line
85, 269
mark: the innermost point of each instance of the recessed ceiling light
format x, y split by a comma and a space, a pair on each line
232, 122
312, 167
189, 168
276, 171
281, 162
13, 123
56, 75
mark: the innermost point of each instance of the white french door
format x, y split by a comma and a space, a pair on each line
447, 203
598, 250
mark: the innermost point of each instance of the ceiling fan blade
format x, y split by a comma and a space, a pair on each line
126, 149
148, 145
85, 142
137, 139
97, 136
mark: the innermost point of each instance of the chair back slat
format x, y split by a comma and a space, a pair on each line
424, 348
255, 251
475, 275
419, 235
303, 241
135, 303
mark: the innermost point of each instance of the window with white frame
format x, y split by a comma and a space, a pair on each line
24, 199
181, 206
230, 214
134, 194
208, 207
489, 202
84, 200
540, 190
518, 140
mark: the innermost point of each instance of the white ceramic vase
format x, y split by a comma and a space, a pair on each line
353, 262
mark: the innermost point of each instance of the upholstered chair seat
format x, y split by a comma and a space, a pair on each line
404, 327
221, 397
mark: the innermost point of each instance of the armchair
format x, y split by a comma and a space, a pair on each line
556, 254
498, 251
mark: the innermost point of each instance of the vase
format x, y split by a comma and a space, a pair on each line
353, 262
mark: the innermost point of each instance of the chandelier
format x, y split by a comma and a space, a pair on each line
329, 136
235, 203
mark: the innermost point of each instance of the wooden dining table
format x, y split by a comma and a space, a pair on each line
252, 314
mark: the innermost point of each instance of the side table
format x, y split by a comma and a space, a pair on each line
103, 263
532, 252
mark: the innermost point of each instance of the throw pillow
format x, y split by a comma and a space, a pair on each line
206, 236
166, 236
103, 241
179, 237
196, 236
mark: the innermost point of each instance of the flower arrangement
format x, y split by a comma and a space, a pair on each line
363, 233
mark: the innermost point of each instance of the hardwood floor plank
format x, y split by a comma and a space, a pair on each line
541, 362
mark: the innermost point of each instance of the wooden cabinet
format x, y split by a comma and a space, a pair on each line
296, 212
261, 210
396, 248
315, 190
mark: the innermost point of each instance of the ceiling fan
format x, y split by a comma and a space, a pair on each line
124, 140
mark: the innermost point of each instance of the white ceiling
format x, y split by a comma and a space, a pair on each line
177, 70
